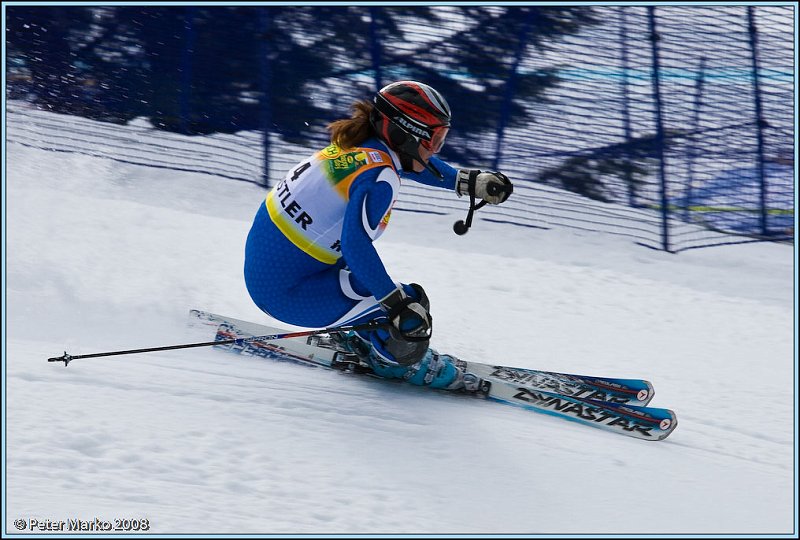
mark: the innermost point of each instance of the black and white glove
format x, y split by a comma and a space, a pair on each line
492, 187
408, 316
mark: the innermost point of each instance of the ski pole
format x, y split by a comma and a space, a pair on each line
372, 325
461, 226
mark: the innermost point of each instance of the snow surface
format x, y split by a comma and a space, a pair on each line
105, 256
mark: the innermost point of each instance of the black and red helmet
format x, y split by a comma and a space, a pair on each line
410, 114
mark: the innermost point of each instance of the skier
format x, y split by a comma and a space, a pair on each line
309, 258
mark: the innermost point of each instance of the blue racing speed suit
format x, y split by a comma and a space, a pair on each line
309, 258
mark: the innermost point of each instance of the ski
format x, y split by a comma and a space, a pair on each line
631, 391
638, 392
609, 404
646, 423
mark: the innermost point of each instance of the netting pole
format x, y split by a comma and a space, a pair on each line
264, 80
659, 139
760, 123
626, 116
692, 140
186, 70
505, 111
375, 47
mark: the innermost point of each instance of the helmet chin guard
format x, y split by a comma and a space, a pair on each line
408, 150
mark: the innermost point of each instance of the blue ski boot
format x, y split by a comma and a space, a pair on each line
435, 370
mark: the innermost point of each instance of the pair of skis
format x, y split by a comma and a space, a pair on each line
616, 405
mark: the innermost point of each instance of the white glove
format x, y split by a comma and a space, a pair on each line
492, 187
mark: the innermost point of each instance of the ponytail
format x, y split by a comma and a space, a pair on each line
350, 132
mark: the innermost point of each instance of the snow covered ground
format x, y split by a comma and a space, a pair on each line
104, 256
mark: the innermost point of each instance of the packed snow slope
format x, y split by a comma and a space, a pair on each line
103, 256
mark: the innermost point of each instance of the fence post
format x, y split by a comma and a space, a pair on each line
659, 139
692, 140
626, 117
186, 70
760, 123
375, 47
264, 81
505, 111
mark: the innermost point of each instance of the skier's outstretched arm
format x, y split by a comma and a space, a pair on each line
492, 187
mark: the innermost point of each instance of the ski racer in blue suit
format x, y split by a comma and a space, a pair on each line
309, 258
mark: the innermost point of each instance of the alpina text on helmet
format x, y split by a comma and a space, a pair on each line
411, 127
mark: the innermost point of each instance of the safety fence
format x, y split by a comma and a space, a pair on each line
671, 125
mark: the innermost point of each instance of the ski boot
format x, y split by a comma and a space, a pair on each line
344, 359
435, 370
